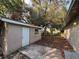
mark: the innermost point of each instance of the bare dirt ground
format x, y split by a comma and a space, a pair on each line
55, 42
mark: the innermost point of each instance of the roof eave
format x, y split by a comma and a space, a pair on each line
19, 23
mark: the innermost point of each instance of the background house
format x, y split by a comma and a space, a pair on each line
16, 34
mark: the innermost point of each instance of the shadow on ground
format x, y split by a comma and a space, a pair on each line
49, 47
55, 42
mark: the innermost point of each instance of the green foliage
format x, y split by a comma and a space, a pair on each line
48, 12
43, 12
15, 8
12, 5
35, 18
3, 10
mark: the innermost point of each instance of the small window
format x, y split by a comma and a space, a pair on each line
36, 31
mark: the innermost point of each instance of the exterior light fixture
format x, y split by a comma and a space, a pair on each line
75, 23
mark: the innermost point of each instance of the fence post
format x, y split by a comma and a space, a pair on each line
5, 41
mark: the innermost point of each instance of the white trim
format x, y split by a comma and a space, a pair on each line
18, 23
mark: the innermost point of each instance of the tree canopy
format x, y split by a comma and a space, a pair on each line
3, 9
49, 12
12, 5
42, 12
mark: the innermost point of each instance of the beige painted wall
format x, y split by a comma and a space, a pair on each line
72, 34
74, 37
14, 37
34, 37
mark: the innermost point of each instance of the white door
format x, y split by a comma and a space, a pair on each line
25, 34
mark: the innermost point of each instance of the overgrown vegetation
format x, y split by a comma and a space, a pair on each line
13, 8
46, 13
2, 9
